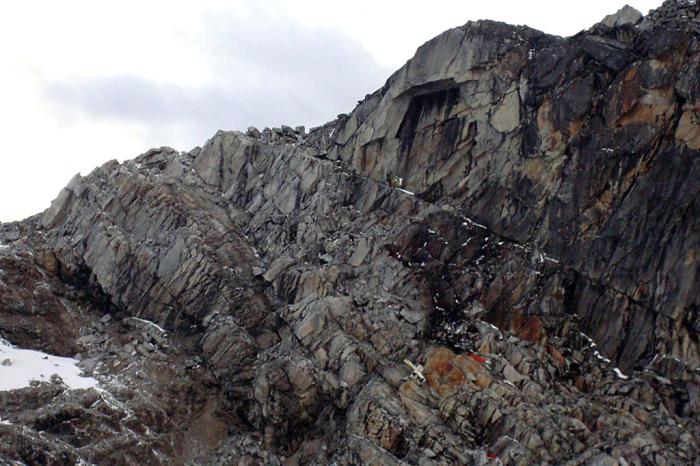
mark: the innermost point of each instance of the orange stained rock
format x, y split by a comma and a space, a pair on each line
528, 328
483, 380
485, 347
445, 371
468, 365
557, 356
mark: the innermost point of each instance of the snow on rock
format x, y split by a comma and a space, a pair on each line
19, 367
593, 346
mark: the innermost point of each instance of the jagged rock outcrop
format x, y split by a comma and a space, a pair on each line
492, 258
558, 143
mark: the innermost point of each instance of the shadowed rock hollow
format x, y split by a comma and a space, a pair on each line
514, 214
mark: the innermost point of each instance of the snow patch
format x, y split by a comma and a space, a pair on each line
28, 365
619, 374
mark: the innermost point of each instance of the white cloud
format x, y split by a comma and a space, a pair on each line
263, 69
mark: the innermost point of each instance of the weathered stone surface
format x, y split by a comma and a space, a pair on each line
626, 15
514, 214
446, 139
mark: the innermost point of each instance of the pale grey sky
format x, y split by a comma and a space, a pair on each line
86, 82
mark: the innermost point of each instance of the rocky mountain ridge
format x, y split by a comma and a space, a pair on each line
493, 258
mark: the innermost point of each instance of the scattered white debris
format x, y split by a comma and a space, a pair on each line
596, 353
619, 374
4, 246
531, 54
590, 340
665, 356
608, 150
28, 365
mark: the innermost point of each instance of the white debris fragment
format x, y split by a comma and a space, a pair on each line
26, 366
473, 223
151, 324
417, 371
406, 192
545, 258
619, 374
597, 354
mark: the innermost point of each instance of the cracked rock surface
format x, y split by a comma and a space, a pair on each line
491, 260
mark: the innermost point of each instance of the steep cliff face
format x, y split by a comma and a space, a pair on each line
585, 147
493, 257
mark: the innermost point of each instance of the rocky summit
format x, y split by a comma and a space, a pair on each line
493, 259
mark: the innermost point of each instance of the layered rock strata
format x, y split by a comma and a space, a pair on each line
493, 258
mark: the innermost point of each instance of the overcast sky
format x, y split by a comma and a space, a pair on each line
84, 82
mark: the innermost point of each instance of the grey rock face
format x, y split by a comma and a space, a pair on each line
254, 132
626, 15
492, 258
551, 157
